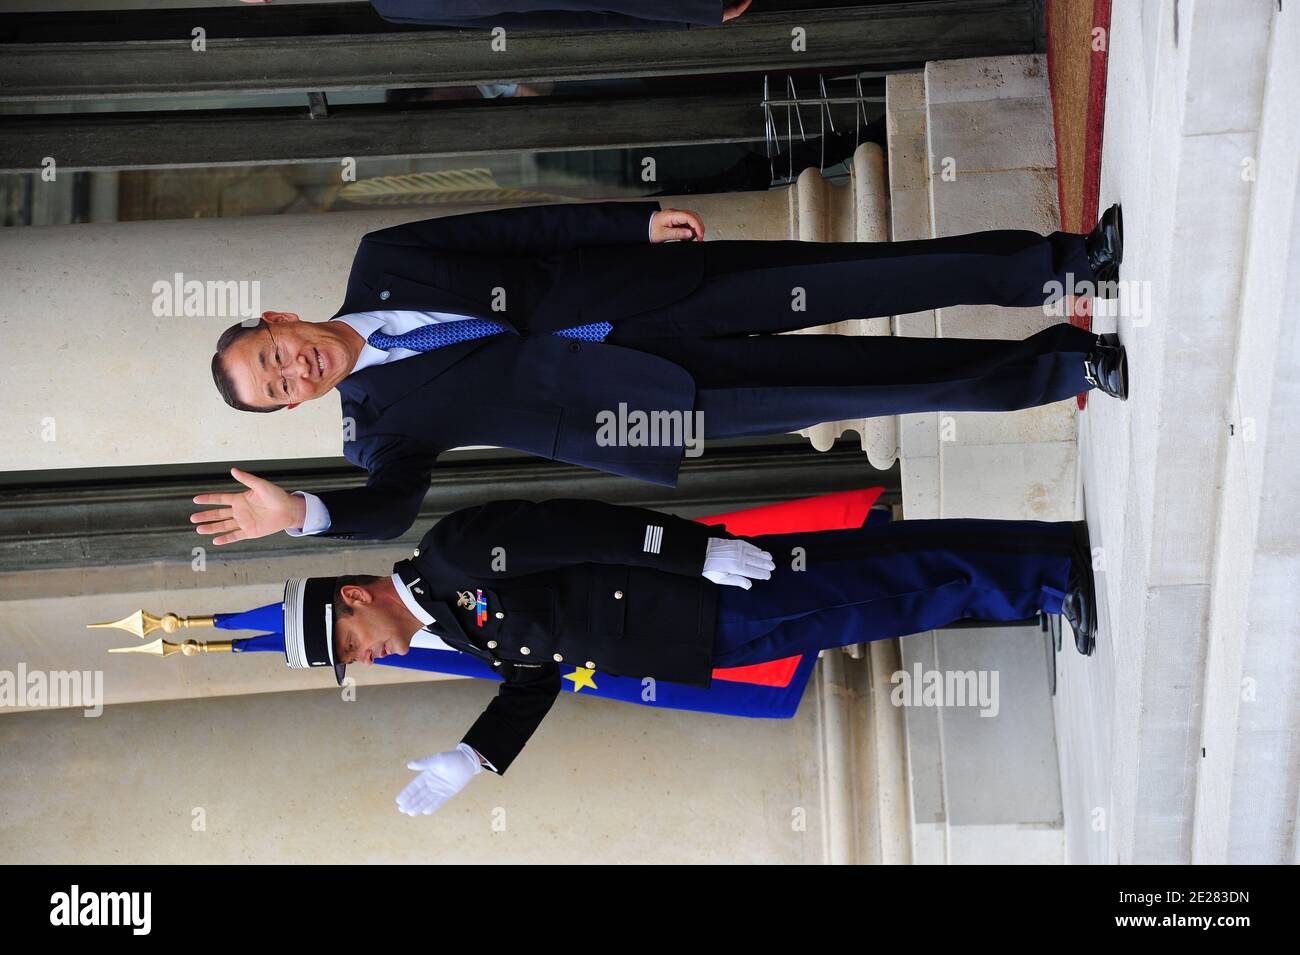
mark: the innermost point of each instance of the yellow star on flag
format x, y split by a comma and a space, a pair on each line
581, 677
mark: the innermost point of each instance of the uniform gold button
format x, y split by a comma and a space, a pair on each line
590, 665
492, 644
525, 651
618, 595
500, 615
557, 658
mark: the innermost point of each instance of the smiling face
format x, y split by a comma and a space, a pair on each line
286, 361
370, 622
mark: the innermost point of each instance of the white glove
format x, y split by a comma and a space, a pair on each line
736, 562
442, 775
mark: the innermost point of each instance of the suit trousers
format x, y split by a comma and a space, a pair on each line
772, 384
840, 587
750, 287
751, 382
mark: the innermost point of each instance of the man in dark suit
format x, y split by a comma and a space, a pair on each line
635, 592
579, 333
561, 14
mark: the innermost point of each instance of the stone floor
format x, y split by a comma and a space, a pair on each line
1165, 756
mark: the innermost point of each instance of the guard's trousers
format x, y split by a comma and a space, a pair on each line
840, 587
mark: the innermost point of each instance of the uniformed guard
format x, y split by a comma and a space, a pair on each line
634, 592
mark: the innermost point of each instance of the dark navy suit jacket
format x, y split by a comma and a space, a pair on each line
551, 267
553, 14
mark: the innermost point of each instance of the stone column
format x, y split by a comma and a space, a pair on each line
971, 148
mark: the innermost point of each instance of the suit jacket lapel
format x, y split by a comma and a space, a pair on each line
395, 291
382, 385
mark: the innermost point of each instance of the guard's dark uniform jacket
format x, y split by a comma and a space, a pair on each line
611, 588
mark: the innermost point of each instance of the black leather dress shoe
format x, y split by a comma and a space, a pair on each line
1080, 605
1105, 248
1106, 367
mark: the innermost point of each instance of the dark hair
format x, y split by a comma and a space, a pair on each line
221, 377
341, 609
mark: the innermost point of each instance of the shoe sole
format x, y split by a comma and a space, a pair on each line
1083, 547
1119, 234
1113, 341
1107, 281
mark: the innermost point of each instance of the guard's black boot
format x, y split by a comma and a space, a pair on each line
1106, 367
1080, 605
1105, 248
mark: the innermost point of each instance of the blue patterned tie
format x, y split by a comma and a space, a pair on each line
593, 332
438, 334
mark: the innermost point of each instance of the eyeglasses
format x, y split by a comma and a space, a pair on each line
275, 353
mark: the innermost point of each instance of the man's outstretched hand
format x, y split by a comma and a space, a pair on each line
729, 10
263, 509
669, 224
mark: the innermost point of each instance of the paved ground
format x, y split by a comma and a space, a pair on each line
1163, 757
1088, 688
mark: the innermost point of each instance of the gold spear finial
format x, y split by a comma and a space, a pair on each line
142, 623
188, 648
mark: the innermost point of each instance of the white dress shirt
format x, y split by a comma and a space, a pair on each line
365, 324
421, 638
393, 322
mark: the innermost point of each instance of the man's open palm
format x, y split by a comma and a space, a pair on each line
263, 509
729, 11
